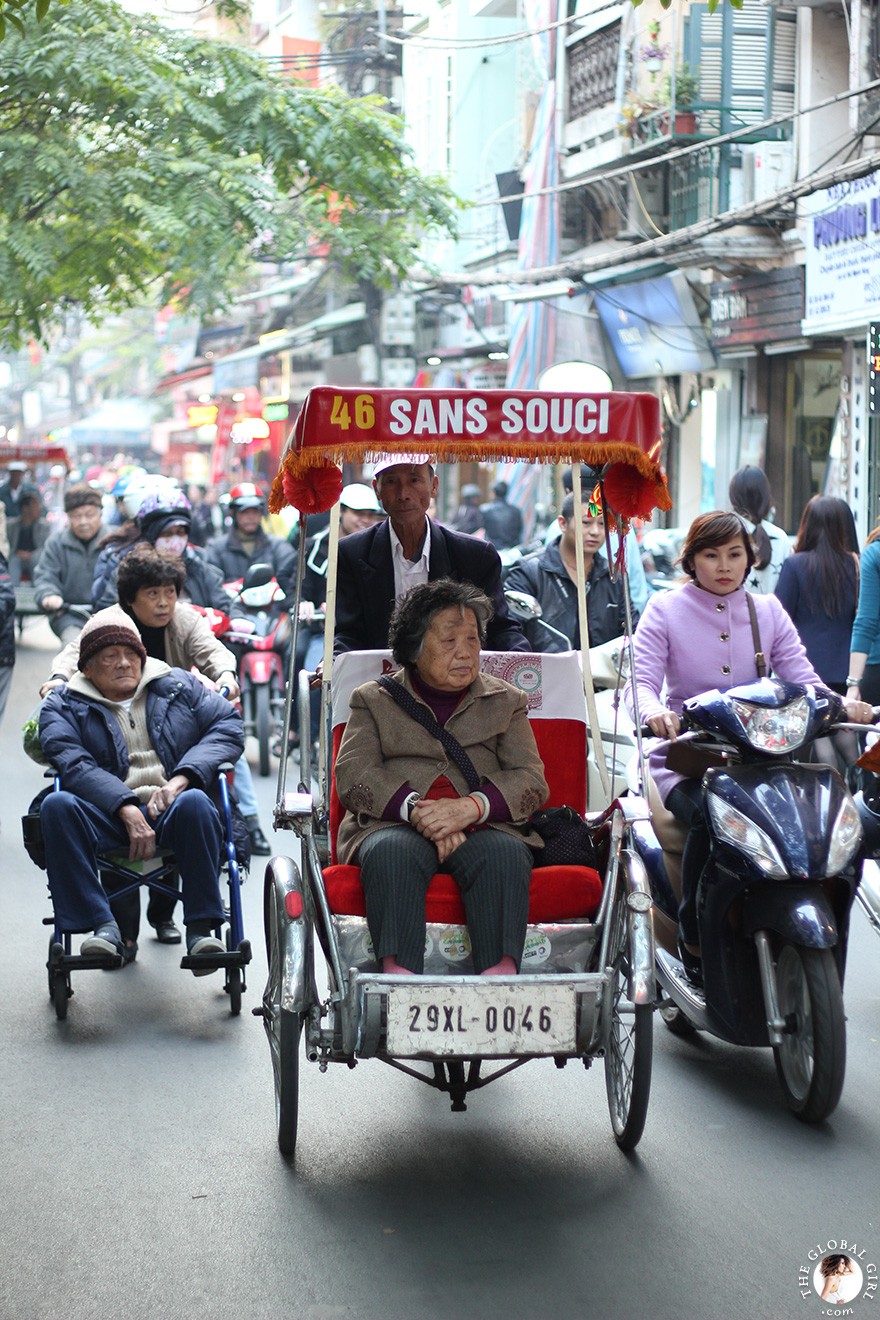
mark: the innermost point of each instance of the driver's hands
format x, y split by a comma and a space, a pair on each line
162, 798
306, 611
667, 725
50, 684
230, 682
51, 603
858, 712
141, 838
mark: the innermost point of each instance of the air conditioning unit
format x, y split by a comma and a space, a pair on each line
767, 168
398, 373
399, 319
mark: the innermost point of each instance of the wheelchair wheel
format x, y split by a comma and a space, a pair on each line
234, 982
629, 1043
283, 1028
59, 981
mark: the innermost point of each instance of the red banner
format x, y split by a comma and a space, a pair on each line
338, 425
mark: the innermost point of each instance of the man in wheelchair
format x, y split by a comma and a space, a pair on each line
137, 746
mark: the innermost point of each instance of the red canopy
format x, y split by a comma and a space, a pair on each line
338, 425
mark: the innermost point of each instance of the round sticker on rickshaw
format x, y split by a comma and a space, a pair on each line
455, 943
537, 948
527, 679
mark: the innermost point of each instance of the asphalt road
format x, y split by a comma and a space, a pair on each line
139, 1174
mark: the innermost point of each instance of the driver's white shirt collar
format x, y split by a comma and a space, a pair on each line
408, 574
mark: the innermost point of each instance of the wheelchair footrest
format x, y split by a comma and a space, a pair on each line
85, 962
239, 957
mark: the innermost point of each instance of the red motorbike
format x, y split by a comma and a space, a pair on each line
259, 634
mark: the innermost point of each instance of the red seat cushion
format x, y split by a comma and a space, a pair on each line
558, 893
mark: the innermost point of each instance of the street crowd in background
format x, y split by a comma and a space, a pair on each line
63, 537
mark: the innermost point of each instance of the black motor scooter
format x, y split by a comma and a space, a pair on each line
774, 897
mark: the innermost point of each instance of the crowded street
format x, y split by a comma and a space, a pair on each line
141, 1174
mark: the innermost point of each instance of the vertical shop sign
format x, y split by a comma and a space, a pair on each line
874, 367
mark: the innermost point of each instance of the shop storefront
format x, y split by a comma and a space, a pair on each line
790, 385
842, 274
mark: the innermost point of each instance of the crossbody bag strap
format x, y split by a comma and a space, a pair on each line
423, 716
760, 658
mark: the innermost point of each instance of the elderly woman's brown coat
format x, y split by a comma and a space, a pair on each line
383, 748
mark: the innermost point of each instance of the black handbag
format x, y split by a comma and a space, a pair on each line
567, 837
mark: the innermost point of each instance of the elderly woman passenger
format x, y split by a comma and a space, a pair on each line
409, 812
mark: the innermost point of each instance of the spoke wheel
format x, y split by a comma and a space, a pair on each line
629, 1044
811, 1061
283, 1028
263, 718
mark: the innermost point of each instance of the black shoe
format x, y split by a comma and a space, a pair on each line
129, 953
693, 966
167, 933
259, 843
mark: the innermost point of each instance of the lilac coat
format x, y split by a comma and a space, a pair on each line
695, 641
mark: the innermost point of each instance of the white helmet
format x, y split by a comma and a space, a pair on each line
151, 483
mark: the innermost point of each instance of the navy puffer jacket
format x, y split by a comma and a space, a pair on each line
193, 730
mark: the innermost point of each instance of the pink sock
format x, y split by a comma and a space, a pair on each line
393, 967
507, 967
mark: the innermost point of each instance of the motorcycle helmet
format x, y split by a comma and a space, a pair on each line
128, 477
163, 510
246, 496
141, 487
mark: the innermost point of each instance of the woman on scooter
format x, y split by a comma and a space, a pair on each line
695, 638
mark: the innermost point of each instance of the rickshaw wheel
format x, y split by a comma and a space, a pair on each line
629, 1044
283, 1028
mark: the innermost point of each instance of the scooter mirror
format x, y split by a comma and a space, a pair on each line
258, 575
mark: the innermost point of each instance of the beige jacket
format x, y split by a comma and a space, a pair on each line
189, 643
383, 749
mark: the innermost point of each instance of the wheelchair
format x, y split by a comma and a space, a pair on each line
120, 878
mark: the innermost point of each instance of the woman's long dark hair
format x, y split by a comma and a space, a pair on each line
825, 536
750, 496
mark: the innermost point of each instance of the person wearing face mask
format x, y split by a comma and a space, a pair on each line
163, 520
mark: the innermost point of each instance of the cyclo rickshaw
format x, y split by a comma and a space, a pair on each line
586, 987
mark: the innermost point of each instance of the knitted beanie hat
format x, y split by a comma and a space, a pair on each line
110, 627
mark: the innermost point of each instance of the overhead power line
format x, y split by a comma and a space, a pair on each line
659, 247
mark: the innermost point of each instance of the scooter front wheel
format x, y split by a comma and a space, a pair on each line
811, 1061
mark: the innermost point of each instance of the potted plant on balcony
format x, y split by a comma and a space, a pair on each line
633, 111
679, 94
654, 52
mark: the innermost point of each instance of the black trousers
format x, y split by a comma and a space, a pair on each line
492, 869
686, 804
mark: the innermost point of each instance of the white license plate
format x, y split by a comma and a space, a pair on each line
481, 1019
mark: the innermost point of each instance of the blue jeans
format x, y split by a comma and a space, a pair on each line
75, 832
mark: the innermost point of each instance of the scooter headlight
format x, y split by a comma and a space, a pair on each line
747, 837
775, 731
846, 837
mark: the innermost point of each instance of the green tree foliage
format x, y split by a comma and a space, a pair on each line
135, 160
